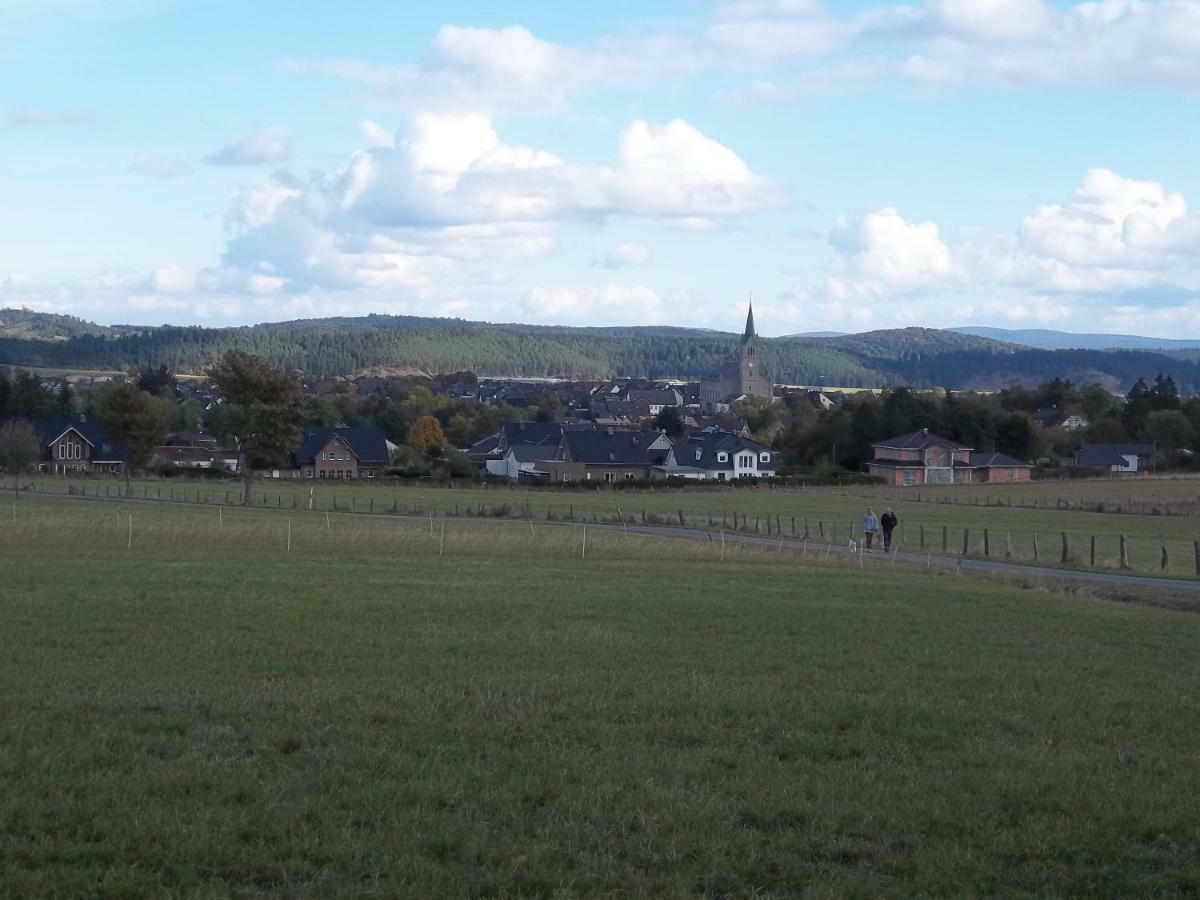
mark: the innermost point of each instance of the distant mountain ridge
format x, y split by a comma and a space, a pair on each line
347, 346
1047, 339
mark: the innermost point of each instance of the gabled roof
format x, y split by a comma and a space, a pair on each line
533, 452
918, 440
987, 460
615, 448
711, 442
104, 448
1108, 454
366, 442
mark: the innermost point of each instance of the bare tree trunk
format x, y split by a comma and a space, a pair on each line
247, 482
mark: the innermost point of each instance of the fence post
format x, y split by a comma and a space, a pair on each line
793, 526
1066, 548
966, 540
1165, 564
1036, 555
945, 538
821, 528
922, 536
1008, 545
1196, 551
1124, 549
681, 522
1093, 553
987, 547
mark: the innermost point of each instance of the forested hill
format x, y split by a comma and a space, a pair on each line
350, 346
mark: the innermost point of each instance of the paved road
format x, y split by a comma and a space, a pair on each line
931, 560
928, 560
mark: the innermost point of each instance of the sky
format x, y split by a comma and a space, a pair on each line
851, 165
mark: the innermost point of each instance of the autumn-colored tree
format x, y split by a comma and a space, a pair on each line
19, 449
262, 408
425, 434
135, 419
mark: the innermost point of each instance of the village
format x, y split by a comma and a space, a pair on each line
734, 427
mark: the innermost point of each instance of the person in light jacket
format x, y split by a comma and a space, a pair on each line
888, 524
870, 526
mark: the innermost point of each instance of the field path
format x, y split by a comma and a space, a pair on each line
794, 545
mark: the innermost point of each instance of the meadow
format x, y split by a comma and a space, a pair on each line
1000, 521
210, 701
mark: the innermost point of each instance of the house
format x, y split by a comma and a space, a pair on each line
78, 447
719, 455
924, 458
742, 378
1113, 457
1051, 417
188, 450
339, 452
607, 455
1000, 468
517, 446
653, 400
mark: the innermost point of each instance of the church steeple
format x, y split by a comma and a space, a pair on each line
749, 334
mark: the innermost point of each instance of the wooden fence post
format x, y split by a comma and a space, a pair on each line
945, 538
1196, 551
922, 536
987, 546
1124, 550
1036, 555
1066, 548
1008, 545
1165, 564
1093, 554
966, 540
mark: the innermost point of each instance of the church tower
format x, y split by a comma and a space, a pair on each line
752, 381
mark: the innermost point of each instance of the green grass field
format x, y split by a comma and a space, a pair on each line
189, 708
1011, 514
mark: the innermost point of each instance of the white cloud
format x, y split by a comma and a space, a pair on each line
1115, 247
633, 304
257, 148
29, 117
158, 165
628, 254
449, 191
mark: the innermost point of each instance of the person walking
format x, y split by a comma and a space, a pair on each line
870, 526
887, 524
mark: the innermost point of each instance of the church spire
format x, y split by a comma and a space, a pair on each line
749, 334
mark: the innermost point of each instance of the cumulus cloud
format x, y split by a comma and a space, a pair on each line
255, 149
628, 254
448, 190
158, 165
635, 304
502, 70
1114, 247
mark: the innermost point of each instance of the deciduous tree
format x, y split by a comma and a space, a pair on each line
425, 434
135, 419
19, 449
262, 408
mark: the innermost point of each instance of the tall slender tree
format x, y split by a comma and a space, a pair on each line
262, 408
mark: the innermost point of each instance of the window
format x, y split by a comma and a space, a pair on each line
910, 477
699, 453
370, 473
764, 457
62, 451
722, 457
609, 477
566, 476
629, 476
308, 473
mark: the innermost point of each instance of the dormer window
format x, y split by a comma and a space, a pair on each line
722, 457
699, 453
764, 457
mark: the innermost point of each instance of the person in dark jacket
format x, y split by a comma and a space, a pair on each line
887, 524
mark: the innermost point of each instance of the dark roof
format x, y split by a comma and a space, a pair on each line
749, 334
533, 452
987, 460
710, 443
1108, 454
530, 433
620, 448
104, 448
918, 440
366, 442
485, 447
667, 398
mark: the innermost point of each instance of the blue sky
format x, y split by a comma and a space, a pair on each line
854, 165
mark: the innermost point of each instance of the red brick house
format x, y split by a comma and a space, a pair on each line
924, 458
76, 447
340, 453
